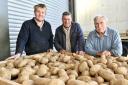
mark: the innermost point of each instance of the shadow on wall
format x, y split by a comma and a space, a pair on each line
4, 31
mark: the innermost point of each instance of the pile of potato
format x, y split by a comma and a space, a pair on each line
52, 68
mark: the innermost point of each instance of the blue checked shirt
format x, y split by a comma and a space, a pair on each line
111, 41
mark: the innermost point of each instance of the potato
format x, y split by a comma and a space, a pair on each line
76, 82
22, 78
49, 54
36, 57
63, 75
94, 69
44, 60
85, 73
122, 59
36, 67
42, 70
54, 70
126, 76
17, 61
83, 66
112, 66
65, 59
14, 72
106, 74
121, 70
89, 57
10, 64
104, 84
72, 72
79, 57
119, 76
23, 62
102, 60
28, 82
41, 81
69, 66
27, 71
62, 66
3, 63
84, 78
54, 77
33, 77
119, 82
48, 75
72, 76
90, 63
31, 63
5, 73
76, 68
55, 82
99, 79
92, 83
53, 59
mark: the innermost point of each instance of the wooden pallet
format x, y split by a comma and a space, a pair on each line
7, 82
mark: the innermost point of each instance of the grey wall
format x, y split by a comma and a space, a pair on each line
4, 32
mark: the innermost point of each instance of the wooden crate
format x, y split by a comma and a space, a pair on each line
7, 82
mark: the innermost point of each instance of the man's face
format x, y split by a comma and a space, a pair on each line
100, 25
67, 19
40, 14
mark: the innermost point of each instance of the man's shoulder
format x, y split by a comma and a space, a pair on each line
92, 32
46, 22
28, 21
75, 23
59, 28
113, 31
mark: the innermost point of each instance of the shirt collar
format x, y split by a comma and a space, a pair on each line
35, 20
105, 34
65, 29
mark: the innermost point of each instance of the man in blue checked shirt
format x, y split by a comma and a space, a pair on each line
103, 40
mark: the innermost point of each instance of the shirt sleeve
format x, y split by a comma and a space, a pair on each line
56, 42
81, 41
89, 45
116, 45
51, 39
22, 38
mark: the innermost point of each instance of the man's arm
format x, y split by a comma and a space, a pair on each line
80, 42
51, 39
116, 45
56, 42
89, 46
22, 38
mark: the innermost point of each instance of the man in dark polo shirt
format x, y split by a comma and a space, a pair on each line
35, 35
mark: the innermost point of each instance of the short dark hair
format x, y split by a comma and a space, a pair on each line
39, 5
66, 13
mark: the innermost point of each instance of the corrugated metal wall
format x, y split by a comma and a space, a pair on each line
21, 10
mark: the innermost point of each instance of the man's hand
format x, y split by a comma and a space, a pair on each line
80, 52
14, 56
62, 51
49, 50
105, 53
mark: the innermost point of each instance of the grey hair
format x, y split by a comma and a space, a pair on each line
39, 5
100, 16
